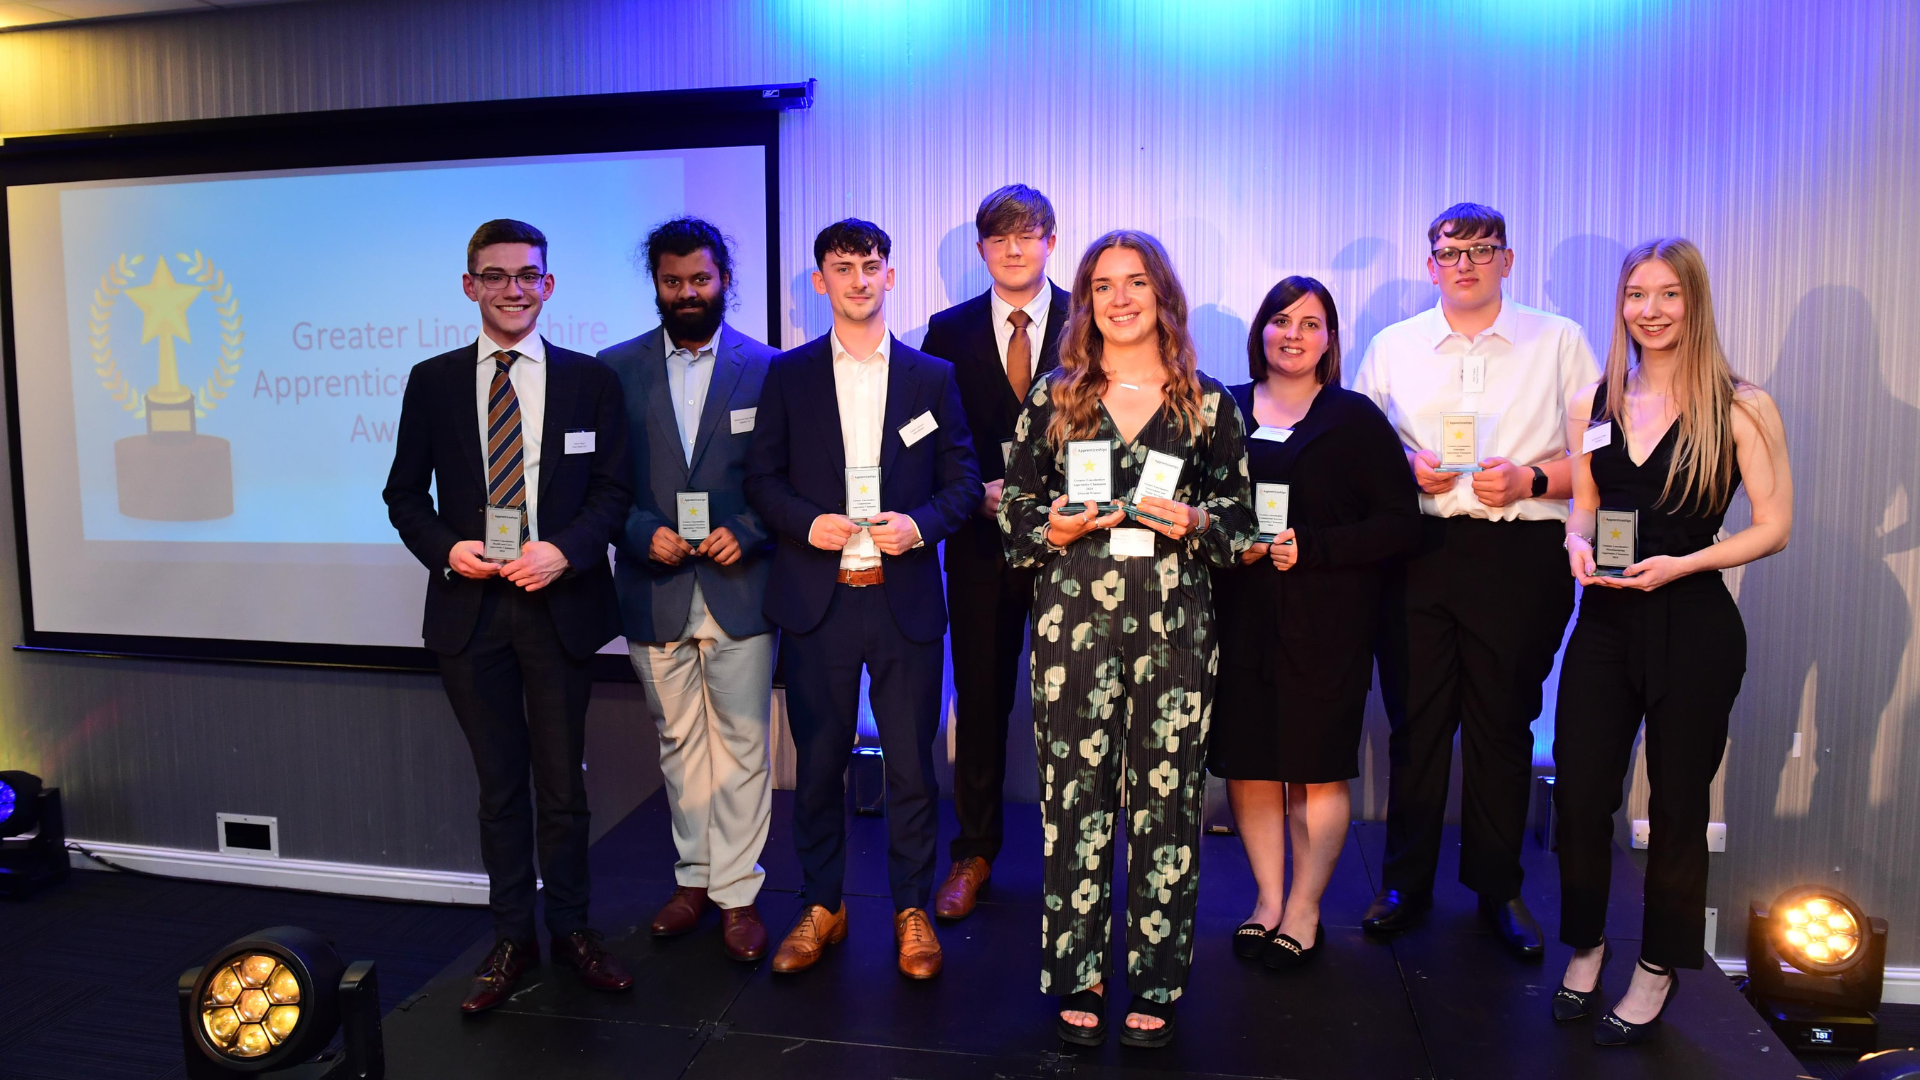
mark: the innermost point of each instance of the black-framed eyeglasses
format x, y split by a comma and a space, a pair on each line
1478, 254
495, 280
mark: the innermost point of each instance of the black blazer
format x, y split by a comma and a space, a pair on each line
583, 498
796, 471
963, 335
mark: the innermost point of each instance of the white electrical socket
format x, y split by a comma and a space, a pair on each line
1716, 835
248, 834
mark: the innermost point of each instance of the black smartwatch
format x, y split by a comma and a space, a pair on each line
1539, 481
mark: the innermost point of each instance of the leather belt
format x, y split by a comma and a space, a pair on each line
872, 575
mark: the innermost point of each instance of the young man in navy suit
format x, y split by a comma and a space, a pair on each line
998, 343
513, 431
692, 576
860, 465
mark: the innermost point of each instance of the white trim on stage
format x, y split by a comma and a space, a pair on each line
1901, 985
309, 875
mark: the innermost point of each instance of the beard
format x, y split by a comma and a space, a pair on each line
692, 320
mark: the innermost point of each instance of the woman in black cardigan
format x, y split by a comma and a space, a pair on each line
1296, 619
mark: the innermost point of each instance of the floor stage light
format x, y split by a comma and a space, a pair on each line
33, 835
1815, 965
267, 1005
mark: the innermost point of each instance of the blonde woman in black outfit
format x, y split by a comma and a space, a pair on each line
1297, 616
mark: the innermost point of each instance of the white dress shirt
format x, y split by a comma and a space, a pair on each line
1036, 309
1534, 362
860, 386
689, 374
529, 378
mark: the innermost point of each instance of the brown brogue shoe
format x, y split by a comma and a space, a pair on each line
598, 968
499, 973
681, 912
744, 934
809, 938
919, 949
961, 890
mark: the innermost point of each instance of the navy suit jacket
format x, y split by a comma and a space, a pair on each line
796, 471
583, 497
655, 597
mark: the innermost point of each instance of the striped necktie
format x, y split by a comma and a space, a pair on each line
506, 457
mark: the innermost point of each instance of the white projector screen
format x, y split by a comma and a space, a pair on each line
317, 290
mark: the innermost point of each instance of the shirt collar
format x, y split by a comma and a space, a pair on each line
1439, 330
884, 352
712, 347
1035, 308
532, 347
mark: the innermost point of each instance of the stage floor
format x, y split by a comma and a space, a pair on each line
1444, 1001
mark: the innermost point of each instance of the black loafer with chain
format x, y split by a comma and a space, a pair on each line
1250, 938
1283, 952
1610, 1030
1574, 1004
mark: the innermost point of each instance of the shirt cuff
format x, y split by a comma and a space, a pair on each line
918, 542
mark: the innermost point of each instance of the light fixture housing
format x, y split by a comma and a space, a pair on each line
267, 1005
33, 835
1816, 962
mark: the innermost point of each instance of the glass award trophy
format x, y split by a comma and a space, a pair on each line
1613, 542
1459, 449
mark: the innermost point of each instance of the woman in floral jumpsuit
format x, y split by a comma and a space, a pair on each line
1123, 647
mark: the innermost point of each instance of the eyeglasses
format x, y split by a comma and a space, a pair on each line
495, 280
1478, 254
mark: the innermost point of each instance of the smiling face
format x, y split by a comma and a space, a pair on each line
1125, 310
1653, 307
509, 311
1017, 261
1468, 285
1296, 338
855, 286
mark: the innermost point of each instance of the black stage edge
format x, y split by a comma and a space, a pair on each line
1444, 1001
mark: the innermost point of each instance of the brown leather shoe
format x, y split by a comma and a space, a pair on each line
499, 973
961, 890
681, 912
809, 938
745, 936
598, 968
919, 949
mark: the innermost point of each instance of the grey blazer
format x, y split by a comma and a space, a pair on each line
654, 598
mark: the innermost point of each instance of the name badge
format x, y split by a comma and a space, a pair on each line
741, 420
692, 515
1597, 436
579, 442
863, 494
918, 428
1089, 471
1459, 449
1270, 510
1127, 543
1613, 542
1159, 478
1006, 453
504, 523
1272, 434
1473, 374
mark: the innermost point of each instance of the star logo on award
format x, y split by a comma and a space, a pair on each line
172, 472
1614, 535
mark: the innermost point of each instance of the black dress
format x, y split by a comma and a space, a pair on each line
1296, 647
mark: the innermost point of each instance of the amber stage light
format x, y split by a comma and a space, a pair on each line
268, 1004
1815, 963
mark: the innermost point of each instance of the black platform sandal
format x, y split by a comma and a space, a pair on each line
1574, 1004
1151, 1037
1613, 1031
1283, 952
1250, 938
1086, 1001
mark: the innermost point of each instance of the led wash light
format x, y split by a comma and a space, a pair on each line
1822, 935
269, 1004
1815, 962
33, 835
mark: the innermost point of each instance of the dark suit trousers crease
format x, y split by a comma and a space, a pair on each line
823, 704
988, 617
1467, 636
521, 700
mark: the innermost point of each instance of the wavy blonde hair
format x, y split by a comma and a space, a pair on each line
1077, 385
1700, 473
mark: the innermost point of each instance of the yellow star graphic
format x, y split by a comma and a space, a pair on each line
1272, 504
1615, 535
863, 489
693, 511
164, 302
1160, 477
1088, 467
503, 530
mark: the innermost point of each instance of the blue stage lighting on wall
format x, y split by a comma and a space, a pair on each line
33, 835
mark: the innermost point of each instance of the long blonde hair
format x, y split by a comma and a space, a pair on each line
1077, 385
1700, 473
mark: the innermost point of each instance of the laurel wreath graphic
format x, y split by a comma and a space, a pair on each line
117, 277
226, 366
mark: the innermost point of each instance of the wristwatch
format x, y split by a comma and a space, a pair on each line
1539, 481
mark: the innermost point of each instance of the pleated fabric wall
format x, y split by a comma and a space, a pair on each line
1262, 139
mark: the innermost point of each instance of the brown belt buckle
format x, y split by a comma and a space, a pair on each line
860, 579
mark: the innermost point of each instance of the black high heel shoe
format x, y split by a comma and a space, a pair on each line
1250, 938
1283, 952
1610, 1030
1574, 1004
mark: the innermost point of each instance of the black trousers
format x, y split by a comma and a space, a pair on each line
823, 710
988, 620
521, 699
1675, 657
1469, 630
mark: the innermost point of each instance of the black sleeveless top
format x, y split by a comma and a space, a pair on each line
1681, 527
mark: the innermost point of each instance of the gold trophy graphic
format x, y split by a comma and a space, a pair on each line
173, 472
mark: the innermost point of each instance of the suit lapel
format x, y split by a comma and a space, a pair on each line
726, 373
469, 427
1050, 341
899, 400
659, 390
563, 385
821, 378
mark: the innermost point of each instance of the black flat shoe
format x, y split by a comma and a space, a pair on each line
1515, 926
1394, 912
1283, 952
1610, 1030
1250, 938
1160, 1036
1087, 1001
1574, 1004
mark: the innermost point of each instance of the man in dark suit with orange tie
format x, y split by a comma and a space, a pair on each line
998, 343
860, 465
526, 446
